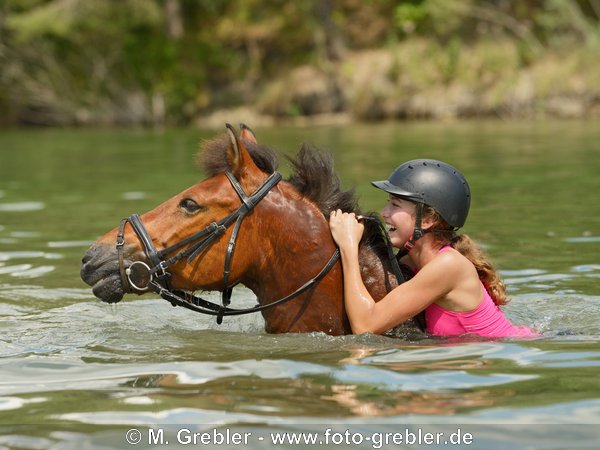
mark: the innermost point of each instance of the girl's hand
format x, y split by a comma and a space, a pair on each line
345, 229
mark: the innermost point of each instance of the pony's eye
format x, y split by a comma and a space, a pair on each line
189, 206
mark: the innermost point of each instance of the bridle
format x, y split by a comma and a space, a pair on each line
159, 279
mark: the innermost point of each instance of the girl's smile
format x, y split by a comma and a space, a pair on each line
399, 217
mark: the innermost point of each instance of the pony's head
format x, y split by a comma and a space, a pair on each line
285, 227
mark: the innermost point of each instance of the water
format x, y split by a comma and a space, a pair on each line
77, 373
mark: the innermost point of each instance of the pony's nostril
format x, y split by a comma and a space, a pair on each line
86, 273
96, 264
86, 258
86, 261
91, 253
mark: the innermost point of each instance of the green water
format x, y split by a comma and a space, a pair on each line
77, 373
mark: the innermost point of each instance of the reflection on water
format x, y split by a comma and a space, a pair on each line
77, 373
19, 254
583, 239
21, 206
63, 244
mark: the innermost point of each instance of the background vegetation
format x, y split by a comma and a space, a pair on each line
126, 62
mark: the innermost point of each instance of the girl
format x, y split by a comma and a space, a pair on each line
454, 282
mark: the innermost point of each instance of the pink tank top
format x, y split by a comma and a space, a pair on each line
485, 320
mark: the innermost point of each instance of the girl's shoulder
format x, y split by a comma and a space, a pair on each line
453, 265
459, 275
451, 259
445, 270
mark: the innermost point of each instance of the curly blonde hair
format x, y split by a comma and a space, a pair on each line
445, 235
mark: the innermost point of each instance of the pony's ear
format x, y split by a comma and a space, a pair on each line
238, 155
247, 133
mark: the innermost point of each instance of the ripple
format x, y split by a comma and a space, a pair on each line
33, 272
7, 256
138, 400
22, 206
174, 416
25, 234
582, 239
429, 382
36, 374
8, 403
585, 268
469, 353
542, 278
577, 413
12, 311
43, 293
576, 316
31, 442
521, 273
66, 244
134, 195
15, 268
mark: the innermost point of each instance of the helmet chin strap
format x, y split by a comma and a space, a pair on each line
417, 233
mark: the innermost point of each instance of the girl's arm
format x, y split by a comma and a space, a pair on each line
399, 305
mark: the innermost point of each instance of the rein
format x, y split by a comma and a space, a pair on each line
158, 277
390, 249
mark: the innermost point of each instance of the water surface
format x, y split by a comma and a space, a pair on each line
77, 373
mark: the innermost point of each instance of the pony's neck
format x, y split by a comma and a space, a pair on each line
297, 245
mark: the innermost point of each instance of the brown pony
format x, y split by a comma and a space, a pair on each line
281, 242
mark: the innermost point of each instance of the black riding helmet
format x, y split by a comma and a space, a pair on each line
434, 183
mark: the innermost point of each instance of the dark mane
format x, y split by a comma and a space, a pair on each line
312, 175
212, 157
312, 172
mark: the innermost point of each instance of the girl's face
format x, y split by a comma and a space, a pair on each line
399, 216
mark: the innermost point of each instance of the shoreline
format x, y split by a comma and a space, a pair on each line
416, 80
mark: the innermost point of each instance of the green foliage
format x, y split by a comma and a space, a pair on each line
77, 19
409, 15
533, 22
565, 22
156, 61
